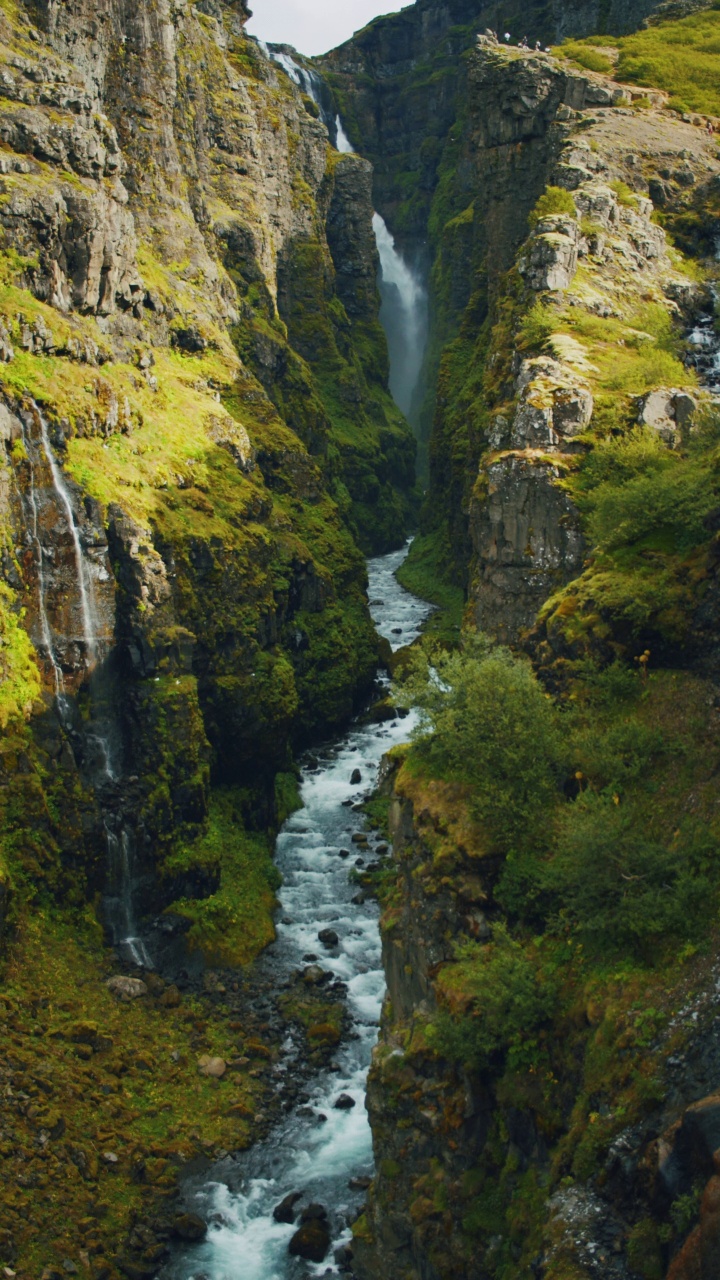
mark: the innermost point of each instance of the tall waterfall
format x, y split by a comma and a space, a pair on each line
404, 317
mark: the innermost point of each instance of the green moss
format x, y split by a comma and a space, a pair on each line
103, 1076
233, 925
19, 675
428, 572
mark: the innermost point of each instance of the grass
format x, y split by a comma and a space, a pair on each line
427, 573
680, 57
233, 925
137, 1094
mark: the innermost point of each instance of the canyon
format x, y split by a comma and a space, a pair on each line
301, 361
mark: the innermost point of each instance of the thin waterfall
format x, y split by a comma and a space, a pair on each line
45, 632
343, 143
404, 317
87, 609
99, 762
119, 904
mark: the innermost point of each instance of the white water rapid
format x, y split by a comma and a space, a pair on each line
317, 1149
404, 317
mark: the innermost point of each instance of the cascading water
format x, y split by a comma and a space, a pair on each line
310, 83
317, 1149
342, 142
45, 632
404, 317
100, 751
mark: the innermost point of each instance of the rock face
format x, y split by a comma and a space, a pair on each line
182, 497
400, 129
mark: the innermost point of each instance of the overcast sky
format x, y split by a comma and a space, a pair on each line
314, 26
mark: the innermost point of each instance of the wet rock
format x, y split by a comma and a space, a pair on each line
358, 899
126, 988
355, 777
190, 1227
343, 1257
215, 1068
344, 1102
311, 1241
314, 1213
315, 975
359, 1184
359, 837
285, 1211
328, 937
344, 853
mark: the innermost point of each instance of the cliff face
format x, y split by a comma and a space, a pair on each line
560, 304
190, 333
401, 83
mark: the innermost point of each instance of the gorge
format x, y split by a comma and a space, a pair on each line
359, 644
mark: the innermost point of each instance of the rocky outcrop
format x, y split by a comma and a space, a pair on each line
400, 117
430, 1120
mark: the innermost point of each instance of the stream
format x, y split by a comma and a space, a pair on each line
316, 1148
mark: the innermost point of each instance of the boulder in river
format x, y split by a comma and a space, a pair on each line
344, 1102
312, 1239
355, 777
328, 937
188, 1226
285, 1211
314, 1212
315, 975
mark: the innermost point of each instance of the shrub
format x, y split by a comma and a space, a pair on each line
620, 887
647, 496
485, 720
624, 194
553, 200
508, 1004
536, 328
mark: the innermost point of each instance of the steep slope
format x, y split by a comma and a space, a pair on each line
198, 444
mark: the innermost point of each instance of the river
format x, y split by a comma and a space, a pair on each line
316, 1149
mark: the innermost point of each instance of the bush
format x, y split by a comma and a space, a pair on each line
508, 1004
621, 888
553, 200
624, 194
536, 328
641, 494
486, 721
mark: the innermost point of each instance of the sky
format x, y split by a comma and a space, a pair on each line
313, 26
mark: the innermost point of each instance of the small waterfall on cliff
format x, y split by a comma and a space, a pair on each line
343, 143
46, 634
77, 599
87, 604
404, 317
